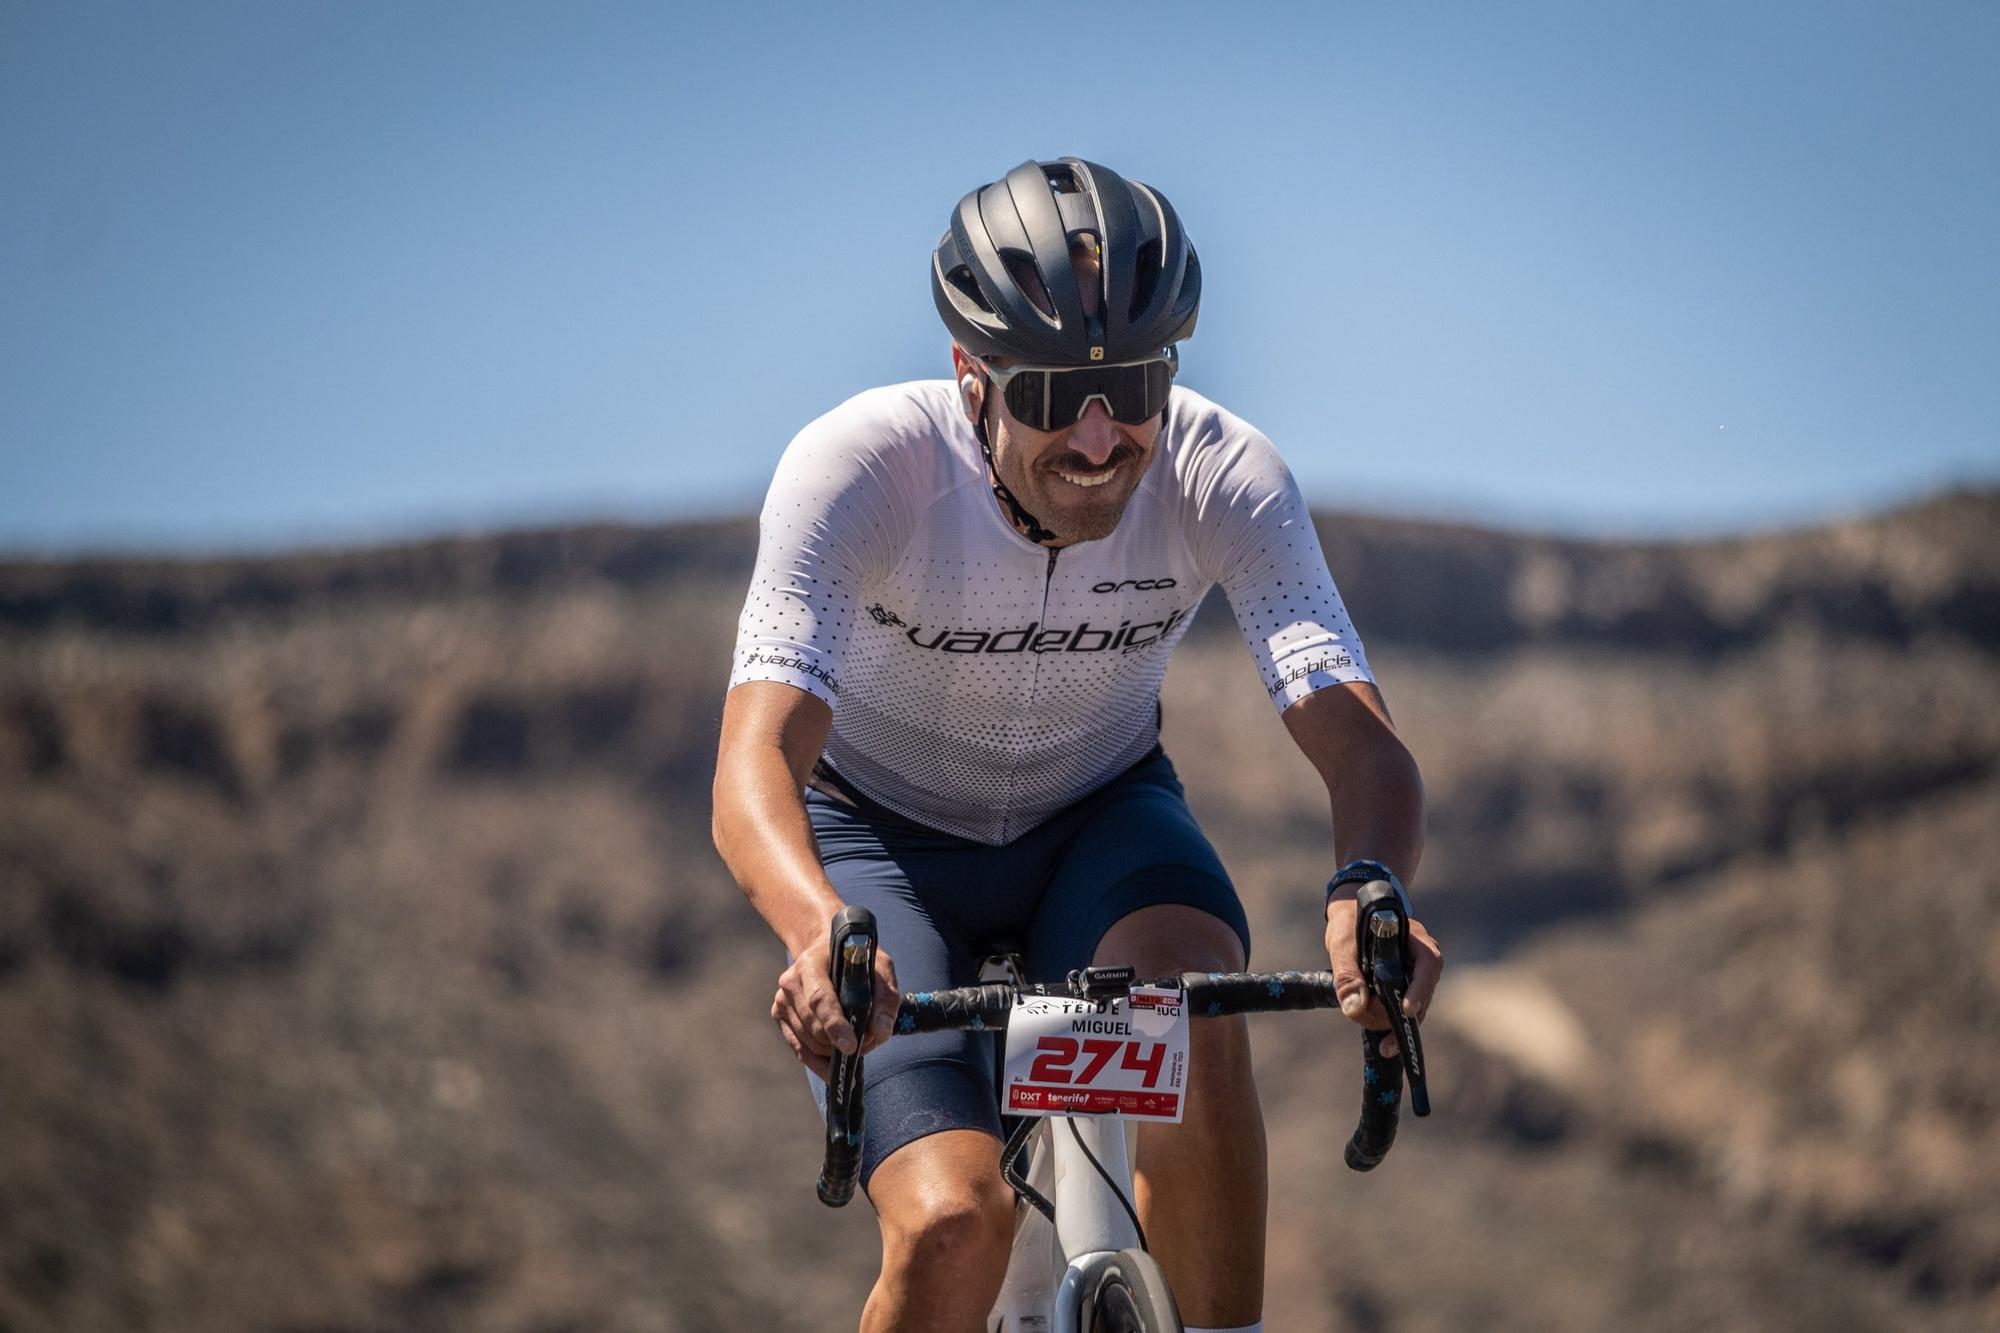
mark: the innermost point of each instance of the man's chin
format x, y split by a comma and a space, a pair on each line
1086, 518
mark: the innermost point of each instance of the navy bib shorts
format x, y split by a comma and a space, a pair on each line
945, 904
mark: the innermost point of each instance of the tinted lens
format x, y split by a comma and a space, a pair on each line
1054, 399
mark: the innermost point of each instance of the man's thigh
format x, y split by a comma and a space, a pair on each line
1166, 939
1134, 847
923, 1083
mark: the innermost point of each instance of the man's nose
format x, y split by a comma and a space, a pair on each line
1095, 434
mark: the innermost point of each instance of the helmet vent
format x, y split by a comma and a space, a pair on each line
1062, 178
961, 278
1021, 268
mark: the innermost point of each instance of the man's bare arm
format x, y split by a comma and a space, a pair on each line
771, 736
1377, 800
1371, 779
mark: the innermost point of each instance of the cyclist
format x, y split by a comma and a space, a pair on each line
945, 707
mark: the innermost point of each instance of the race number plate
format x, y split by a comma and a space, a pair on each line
1098, 1057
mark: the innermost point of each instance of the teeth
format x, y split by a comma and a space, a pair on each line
1079, 479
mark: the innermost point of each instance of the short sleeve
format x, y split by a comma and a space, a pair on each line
1254, 536
834, 521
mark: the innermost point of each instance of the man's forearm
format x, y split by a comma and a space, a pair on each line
1378, 811
1372, 783
771, 734
766, 840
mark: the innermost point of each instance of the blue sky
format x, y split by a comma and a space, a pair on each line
277, 273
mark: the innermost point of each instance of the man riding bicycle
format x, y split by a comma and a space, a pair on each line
945, 708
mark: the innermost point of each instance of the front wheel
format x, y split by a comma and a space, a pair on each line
1129, 1295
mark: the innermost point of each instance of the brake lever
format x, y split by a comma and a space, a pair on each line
1382, 940
853, 964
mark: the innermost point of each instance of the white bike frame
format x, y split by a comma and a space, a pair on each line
1046, 1274
1045, 1286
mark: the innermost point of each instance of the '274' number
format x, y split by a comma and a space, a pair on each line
1059, 1053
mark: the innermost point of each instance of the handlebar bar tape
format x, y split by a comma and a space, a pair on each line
1381, 1093
1214, 994
972, 1008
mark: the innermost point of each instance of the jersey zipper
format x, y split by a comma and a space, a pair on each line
1034, 680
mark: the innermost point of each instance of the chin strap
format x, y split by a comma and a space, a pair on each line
1027, 522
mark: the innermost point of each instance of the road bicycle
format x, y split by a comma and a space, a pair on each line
1079, 1263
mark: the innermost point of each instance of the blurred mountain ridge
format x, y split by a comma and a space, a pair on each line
364, 965
1927, 568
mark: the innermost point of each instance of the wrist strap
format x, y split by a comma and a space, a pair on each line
1364, 872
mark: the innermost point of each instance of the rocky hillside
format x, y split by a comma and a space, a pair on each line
364, 965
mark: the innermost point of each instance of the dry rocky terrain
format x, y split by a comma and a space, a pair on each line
364, 964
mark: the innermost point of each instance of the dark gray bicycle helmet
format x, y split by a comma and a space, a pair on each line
1021, 229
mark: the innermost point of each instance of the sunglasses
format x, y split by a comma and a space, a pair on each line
1050, 398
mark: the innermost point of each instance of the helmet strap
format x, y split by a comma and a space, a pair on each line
1030, 526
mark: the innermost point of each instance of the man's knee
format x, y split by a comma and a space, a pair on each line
961, 1230
944, 1206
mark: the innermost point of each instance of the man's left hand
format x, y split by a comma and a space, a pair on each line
1356, 1001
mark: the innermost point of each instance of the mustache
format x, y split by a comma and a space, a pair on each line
1074, 462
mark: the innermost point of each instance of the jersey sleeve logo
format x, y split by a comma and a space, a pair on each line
757, 657
1339, 660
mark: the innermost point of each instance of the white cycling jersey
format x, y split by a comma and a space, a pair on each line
981, 683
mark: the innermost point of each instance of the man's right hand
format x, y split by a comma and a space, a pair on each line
807, 1008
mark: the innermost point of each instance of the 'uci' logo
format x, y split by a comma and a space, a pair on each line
1137, 585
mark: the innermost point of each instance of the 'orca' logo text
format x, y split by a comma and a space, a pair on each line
1137, 585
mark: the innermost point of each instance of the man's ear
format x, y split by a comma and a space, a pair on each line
971, 388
